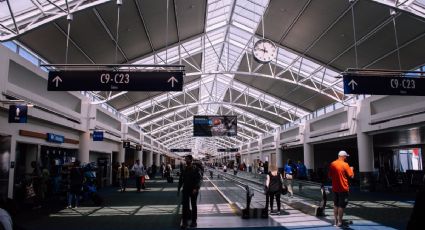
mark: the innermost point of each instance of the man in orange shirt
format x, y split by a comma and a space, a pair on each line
339, 171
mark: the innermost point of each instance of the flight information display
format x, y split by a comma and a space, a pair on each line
208, 126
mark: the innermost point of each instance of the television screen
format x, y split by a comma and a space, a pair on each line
208, 126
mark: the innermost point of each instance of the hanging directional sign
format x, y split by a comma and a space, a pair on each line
126, 144
228, 150
18, 113
383, 85
70, 80
180, 150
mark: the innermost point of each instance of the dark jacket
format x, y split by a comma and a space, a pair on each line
190, 178
418, 215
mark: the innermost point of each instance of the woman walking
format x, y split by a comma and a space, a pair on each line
123, 175
274, 184
289, 176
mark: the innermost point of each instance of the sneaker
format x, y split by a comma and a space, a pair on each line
69, 206
193, 225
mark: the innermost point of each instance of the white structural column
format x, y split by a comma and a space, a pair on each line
149, 160
158, 159
260, 147
366, 161
12, 170
308, 149
364, 147
279, 151
88, 113
121, 154
84, 149
308, 156
279, 158
140, 155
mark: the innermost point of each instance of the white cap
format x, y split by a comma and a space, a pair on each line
342, 153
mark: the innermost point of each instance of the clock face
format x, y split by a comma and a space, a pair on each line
264, 51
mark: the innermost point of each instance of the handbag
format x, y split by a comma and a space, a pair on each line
30, 193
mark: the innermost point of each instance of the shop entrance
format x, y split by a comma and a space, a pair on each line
104, 167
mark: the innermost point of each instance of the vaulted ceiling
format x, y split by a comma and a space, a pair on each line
214, 39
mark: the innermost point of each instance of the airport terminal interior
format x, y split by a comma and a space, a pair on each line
109, 107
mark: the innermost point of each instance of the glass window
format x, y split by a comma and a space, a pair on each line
11, 45
25, 54
408, 159
320, 112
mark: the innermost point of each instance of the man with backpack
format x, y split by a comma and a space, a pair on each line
190, 179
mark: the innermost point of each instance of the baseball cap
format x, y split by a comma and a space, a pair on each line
342, 153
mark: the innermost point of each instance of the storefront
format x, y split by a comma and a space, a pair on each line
32, 159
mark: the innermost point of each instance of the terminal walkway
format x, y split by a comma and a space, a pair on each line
158, 207
372, 210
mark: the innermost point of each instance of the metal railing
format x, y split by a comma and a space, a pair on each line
304, 191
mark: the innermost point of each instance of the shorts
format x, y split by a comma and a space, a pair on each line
340, 199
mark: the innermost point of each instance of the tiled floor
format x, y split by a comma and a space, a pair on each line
158, 207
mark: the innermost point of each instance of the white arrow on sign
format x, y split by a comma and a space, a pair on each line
172, 79
352, 83
57, 79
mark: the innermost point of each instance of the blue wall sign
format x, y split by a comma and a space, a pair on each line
97, 135
55, 138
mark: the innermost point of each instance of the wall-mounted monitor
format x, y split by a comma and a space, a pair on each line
208, 126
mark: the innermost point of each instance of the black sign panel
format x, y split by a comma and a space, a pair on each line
18, 113
228, 150
383, 85
180, 150
114, 81
126, 144
138, 147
